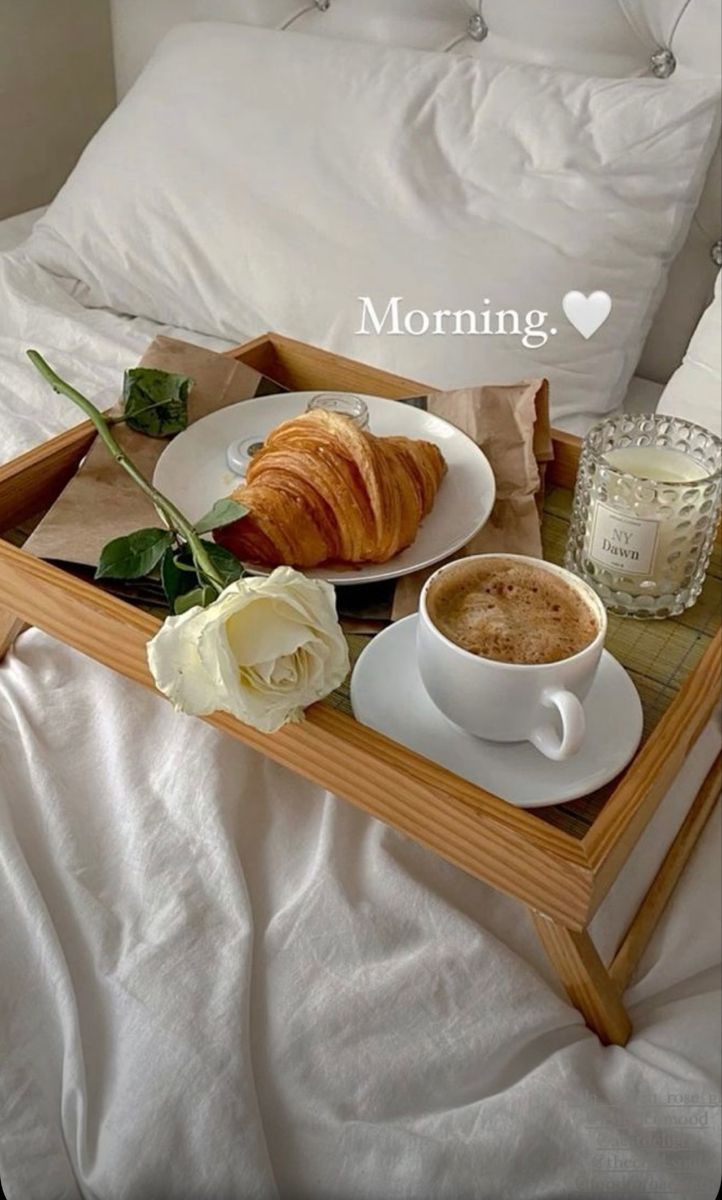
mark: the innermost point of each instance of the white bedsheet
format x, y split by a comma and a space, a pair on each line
90, 347
218, 981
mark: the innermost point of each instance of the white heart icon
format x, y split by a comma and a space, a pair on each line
587, 313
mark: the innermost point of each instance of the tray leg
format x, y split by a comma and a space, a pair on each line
645, 921
587, 981
10, 627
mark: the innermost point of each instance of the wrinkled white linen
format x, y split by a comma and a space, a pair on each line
219, 981
89, 347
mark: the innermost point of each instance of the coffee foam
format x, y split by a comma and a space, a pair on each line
511, 612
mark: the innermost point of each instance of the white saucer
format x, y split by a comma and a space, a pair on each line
193, 472
387, 695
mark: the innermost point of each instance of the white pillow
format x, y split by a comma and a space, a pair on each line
695, 390
252, 180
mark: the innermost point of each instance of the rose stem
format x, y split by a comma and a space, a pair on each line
178, 523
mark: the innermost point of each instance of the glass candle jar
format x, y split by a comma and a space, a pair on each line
344, 403
646, 507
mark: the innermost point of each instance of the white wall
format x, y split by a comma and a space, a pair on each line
56, 88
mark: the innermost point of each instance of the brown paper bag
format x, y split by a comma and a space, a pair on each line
510, 422
102, 502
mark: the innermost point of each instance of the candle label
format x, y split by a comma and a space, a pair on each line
623, 543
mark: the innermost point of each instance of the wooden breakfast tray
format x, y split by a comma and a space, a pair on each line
559, 861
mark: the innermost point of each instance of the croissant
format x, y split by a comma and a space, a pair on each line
322, 490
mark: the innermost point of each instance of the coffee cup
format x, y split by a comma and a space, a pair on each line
507, 701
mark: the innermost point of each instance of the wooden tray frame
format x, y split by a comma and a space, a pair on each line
560, 878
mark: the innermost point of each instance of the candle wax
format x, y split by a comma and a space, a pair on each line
656, 463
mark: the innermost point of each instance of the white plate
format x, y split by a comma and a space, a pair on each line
193, 473
387, 695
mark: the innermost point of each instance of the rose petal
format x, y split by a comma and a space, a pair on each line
176, 666
264, 629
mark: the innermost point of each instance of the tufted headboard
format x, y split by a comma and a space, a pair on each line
593, 37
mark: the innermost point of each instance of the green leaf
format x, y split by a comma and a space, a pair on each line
135, 555
156, 402
201, 595
176, 579
224, 512
228, 566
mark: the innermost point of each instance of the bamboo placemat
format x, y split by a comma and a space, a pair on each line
657, 654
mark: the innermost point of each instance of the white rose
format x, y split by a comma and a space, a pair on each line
264, 650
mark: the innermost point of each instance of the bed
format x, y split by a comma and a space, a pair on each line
220, 981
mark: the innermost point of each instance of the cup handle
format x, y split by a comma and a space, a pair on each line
573, 725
